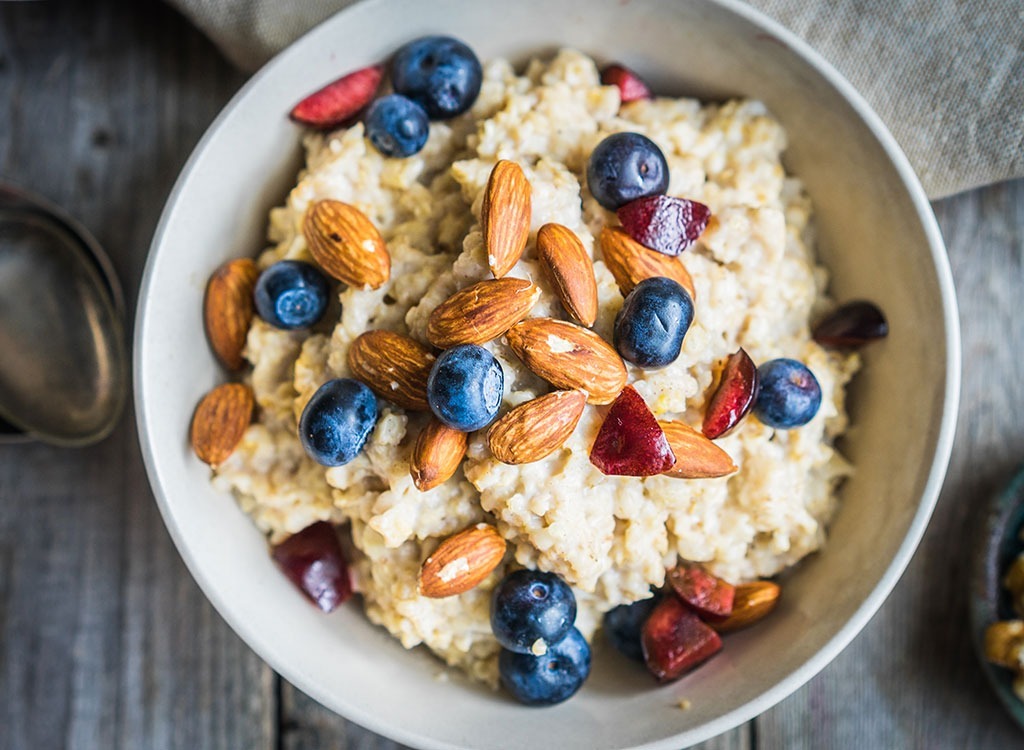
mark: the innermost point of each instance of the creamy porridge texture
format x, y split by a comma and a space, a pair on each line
611, 538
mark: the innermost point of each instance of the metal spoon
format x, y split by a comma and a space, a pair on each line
63, 361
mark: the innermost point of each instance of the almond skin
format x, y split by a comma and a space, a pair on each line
569, 357
437, 454
505, 216
220, 421
462, 561
630, 262
537, 428
753, 601
481, 312
570, 270
346, 244
228, 309
696, 456
394, 366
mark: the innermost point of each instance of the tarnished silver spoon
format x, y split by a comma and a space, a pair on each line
63, 360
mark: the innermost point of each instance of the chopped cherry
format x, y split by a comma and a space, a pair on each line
734, 396
675, 640
852, 325
706, 594
630, 441
663, 223
340, 100
631, 86
313, 561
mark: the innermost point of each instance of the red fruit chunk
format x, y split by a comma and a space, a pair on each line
852, 325
674, 640
734, 396
708, 595
339, 101
631, 442
313, 561
663, 223
631, 86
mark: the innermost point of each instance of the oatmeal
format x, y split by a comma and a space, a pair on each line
757, 285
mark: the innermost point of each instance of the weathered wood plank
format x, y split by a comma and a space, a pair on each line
105, 640
910, 679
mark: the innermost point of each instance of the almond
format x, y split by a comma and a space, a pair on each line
220, 421
462, 561
437, 454
630, 262
569, 357
228, 309
752, 602
394, 366
1004, 641
537, 428
571, 271
505, 216
481, 312
346, 244
696, 456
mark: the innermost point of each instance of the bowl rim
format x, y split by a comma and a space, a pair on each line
268, 651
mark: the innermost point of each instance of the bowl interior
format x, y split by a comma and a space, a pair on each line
877, 236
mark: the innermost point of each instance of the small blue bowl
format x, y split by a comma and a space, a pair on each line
998, 545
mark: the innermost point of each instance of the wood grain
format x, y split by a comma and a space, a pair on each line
105, 640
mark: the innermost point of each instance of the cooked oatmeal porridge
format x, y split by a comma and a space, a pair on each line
611, 538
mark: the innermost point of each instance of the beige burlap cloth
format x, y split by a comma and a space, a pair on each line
947, 76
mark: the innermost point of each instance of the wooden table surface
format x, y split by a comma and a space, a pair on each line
105, 640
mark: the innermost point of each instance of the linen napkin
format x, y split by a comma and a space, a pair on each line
946, 76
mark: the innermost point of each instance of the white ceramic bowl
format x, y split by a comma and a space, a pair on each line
877, 235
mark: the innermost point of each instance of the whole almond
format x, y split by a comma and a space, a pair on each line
462, 561
537, 428
630, 262
220, 421
228, 309
394, 366
346, 244
437, 454
569, 357
752, 602
505, 216
481, 312
696, 456
570, 270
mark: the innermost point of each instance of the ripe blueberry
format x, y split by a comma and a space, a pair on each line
624, 167
337, 421
655, 317
788, 394
291, 294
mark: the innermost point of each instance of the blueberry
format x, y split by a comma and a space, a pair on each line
291, 294
465, 387
788, 394
623, 623
624, 167
530, 606
655, 317
439, 72
397, 126
337, 421
551, 678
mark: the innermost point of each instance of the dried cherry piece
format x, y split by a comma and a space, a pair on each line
674, 640
663, 223
851, 326
339, 100
734, 396
313, 561
707, 595
631, 86
630, 441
